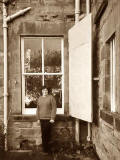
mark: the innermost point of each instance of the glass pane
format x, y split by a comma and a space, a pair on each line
32, 55
52, 55
55, 87
32, 90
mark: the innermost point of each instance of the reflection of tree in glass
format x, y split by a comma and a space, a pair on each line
57, 93
27, 60
33, 85
53, 81
36, 61
54, 84
53, 58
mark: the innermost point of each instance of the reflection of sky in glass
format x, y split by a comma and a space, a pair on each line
34, 43
53, 43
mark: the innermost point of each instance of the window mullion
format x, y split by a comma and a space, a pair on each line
43, 61
23, 76
111, 75
112, 54
114, 75
22, 54
38, 74
62, 65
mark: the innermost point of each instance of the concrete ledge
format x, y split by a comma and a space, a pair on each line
106, 116
32, 118
117, 122
63, 117
111, 118
22, 151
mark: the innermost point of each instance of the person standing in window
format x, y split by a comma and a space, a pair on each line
46, 113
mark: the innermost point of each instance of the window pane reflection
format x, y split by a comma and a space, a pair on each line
54, 83
32, 90
52, 55
33, 55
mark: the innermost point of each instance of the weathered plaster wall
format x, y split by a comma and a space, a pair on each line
106, 126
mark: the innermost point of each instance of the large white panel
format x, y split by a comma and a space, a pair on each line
80, 70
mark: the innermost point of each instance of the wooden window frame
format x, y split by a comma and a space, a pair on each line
112, 74
32, 111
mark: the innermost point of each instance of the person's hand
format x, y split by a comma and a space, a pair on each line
38, 121
52, 121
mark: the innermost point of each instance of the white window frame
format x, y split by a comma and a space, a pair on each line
32, 111
112, 74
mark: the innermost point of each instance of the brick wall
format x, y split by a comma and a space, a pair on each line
105, 129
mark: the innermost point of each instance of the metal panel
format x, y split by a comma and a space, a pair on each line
80, 69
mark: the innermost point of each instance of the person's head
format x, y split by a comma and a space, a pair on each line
44, 91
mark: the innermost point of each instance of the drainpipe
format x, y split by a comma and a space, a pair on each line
87, 7
77, 10
5, 20
89, 124
77, 122
5, 71
19, 13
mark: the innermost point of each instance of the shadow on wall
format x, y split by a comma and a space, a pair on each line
95, 75
2, 137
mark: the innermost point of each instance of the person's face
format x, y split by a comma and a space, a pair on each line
45, 92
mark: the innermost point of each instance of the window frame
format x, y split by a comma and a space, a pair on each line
112, 74
32, 111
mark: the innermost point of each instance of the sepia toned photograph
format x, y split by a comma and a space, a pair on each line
59, 80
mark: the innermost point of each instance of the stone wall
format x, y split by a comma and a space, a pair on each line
24, 132
1, 65
54, 17
1, 82
45, 18
105, 129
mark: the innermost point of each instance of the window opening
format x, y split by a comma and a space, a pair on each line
42, 64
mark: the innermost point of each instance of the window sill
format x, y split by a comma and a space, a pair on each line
111, 118
32, 118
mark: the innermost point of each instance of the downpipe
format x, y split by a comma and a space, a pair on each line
5, 27
5, 71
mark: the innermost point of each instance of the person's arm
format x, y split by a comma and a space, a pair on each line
37, 113
53, 112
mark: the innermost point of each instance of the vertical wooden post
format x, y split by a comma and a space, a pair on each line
77, 128
87, 6
77, 10
89, 124
77, 131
